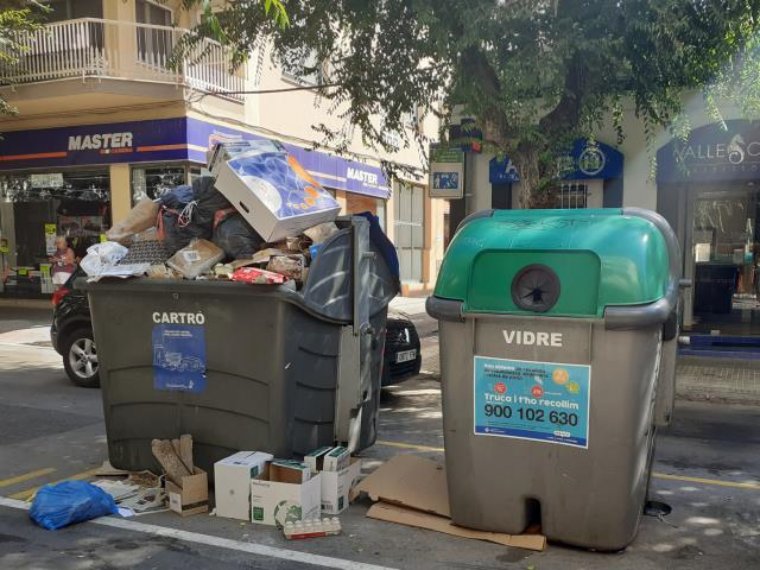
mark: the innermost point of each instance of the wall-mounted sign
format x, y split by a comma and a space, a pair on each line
586, 160
4, 247
52, 180
713, 153
446, 171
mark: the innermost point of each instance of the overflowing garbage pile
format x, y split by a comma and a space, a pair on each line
258, 218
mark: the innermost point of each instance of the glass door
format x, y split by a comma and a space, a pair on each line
723, 261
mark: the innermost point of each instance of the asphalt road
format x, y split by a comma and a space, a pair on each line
707, 469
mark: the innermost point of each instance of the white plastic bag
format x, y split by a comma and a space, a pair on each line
102, 256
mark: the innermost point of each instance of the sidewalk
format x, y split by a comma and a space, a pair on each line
698, 378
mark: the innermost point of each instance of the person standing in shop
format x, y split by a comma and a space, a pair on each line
63, 260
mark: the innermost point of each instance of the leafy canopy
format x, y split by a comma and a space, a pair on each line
535, 74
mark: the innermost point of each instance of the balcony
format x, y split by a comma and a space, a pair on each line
107, 49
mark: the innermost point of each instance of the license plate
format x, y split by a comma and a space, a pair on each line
406, 355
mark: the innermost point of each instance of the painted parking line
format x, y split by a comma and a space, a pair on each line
25, 477
219, 542
665, 476
29, 493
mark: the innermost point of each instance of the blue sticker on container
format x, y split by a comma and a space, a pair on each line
542, 401
179, 358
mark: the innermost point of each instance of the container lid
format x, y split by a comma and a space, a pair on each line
555, 262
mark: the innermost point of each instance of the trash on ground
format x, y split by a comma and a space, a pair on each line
312, 528
413, 491
339, 471
232, 482
62, 504
108, 470
286, 491
186, 485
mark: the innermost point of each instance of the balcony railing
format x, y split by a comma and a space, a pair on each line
91, 47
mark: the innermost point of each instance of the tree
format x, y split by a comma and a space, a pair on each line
16, 17
535, 74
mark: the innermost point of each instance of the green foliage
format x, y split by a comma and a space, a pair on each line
16, 17
534, 73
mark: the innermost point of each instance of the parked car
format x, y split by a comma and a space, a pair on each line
402, 357
71, 334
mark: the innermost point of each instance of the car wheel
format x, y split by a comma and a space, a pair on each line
80, 359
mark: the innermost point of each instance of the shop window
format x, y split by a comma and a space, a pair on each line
572, 196
409, 220
36, 207
154, 182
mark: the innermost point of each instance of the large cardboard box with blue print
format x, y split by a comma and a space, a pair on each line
268, 186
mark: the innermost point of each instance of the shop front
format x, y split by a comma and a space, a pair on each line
709, 190
76, 181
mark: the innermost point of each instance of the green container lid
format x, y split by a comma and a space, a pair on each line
571, 263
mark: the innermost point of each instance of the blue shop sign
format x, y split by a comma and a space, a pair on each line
586, 160
160, 140
713, 153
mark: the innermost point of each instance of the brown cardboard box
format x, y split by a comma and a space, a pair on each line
412, 490
192, 497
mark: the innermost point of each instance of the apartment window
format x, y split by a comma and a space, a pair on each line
409, 223
572, 196
154, 45
392, 138
72, 9
305, 70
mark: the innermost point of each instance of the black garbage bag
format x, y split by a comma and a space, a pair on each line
179, 230
177, 198
236, 237
208, 201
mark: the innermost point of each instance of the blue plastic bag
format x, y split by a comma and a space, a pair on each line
57, 506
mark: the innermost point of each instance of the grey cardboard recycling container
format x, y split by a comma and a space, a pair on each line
246, 367
558, 331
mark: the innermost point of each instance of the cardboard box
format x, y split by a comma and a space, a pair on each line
315, 459
413, 491
274, 193
337, 485
192, 497
275, 502
337, 459
232, 483
289, 471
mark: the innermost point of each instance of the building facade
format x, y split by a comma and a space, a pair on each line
708, 188
106, 119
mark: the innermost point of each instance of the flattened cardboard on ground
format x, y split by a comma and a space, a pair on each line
412, 490
410, 481
410, 517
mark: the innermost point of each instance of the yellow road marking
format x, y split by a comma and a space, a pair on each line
29, 493
25, 477
683, 478
701, 481
410, 446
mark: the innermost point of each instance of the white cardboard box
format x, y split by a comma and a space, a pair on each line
275, 503
274, 194
336, 486
337, 459
232, 483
